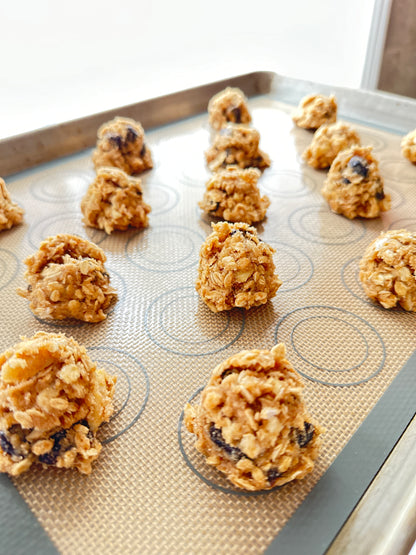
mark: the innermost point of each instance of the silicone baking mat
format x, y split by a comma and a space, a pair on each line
150, 491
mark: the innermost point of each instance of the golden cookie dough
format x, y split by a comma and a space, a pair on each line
228, 106
408, 145
236, 145
67, 279
252, 423
53, 399
388, 269
327, 143
114, 200
314, 110
121, 144
233, 195
354, 186
236, 268
10, 213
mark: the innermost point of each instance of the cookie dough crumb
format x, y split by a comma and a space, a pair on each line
114, 200
228, 106
233, 195
53, 399
236, 145
327, 143
10, 213
388, 269
67, 279
236, 268
354, 186
314, 110
121, 144
408, 145
252, 422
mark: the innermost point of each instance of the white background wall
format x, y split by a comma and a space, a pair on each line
61, 60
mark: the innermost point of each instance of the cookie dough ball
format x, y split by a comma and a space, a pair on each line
236, 268
67, 279
354, 186
408, 145
236, 145
252, 423
53, 399
121, 144
314, 110
114, 200
388, 269
232, 194
327, 143
228, 106
10, 213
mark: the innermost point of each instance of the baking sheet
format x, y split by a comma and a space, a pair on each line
150, 491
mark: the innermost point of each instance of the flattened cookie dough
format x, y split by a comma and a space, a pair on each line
67, 279
252, 423
408, 145
236, 145
327, 143
121, 144
314, 110
10, 213
114, 200
53, 399
233, 195
354, 186
388, 269
236, 268
228, 106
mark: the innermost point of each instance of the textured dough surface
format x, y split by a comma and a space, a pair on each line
354, 186
232, 194
327, 143
121, 144
236, 268
252, 423
236, 145
314, 110
408, 145
388, 269
10, 213
228, 106
114, 200
53, 399
67, 279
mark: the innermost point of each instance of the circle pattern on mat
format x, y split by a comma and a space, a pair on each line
293, 266
161, 198
164, 248
371, 139
404, 223
69, 222
131, 393
397, 199
401, 171
197, 462
318, 224
178, 322
65, 186
331, 346
287, 183
9, 266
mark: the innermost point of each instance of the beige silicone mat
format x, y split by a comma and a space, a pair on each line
150, 492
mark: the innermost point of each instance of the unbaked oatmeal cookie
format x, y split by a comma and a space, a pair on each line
121, 144
10, 213
228, 106
252, 422
388, 269
53, 399
236, 268
408, 145
114, 200
314, 110
232, 194
236, 145
327, 143
67, 279
354, 186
